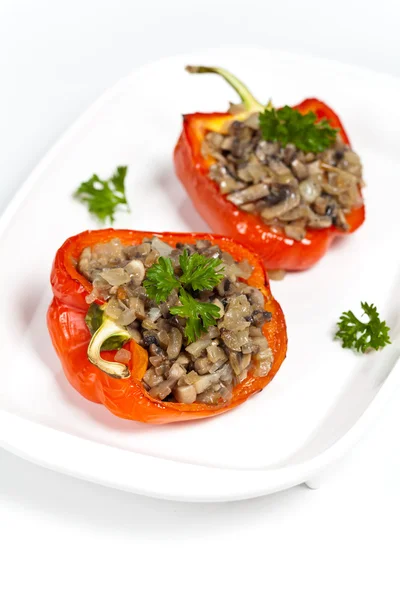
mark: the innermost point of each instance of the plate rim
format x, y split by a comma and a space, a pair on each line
31, 440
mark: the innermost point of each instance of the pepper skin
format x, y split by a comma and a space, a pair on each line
127, 398
275, 249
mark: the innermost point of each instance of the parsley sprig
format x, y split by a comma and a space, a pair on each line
285, 125
288, 126
160, 280
104, 196
198, 273
199, 315
360, 335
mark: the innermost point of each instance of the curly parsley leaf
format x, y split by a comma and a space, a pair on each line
200, 272
360, 335
199, 315
103, 197
288, 126
160, 280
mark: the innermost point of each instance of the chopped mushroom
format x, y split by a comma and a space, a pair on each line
282, 206
296, 230
185, 393
206, 370
249, 194
249, 171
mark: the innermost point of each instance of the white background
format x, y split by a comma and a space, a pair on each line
63, 538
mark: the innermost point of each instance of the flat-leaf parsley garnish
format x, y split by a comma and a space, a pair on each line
199, 315
160, 280
198, 273
288, 126
361, 335
103, 197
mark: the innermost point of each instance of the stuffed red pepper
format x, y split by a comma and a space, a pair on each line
164, 327
286, 182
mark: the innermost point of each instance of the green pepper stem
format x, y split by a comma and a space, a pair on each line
107, 330
249, 102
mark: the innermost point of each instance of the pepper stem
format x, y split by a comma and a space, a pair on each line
249, 102
107, 329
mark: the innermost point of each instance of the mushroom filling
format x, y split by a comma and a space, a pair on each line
204, 371
290, 190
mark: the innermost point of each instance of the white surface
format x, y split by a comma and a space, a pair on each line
308, 416
61, 534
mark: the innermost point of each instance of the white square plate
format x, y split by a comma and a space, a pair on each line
323, 396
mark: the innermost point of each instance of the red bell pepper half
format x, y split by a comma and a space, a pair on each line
126, 397
275, 249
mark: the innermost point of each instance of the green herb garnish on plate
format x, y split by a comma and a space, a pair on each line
104, 196
363, 335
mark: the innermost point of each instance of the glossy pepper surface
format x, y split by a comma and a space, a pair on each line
275, 249
127, 398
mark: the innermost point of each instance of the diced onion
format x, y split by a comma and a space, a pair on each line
115, 276
162, 248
